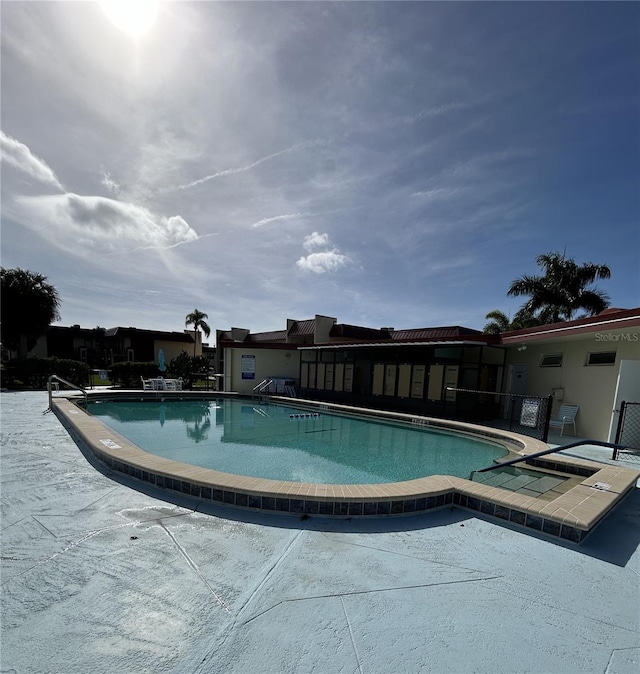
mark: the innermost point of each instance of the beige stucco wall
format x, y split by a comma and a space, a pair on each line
268, 363
171, 349
590, 386
322, 329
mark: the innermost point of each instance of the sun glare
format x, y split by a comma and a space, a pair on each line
134, 17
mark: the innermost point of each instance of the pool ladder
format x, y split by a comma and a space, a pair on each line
260, 390
52, 384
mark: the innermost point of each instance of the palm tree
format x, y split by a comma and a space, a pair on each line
197, 319
500, 322
29, 306
562, 289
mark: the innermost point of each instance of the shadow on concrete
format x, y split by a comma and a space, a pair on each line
617, 536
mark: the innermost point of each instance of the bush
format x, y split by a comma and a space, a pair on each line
128, 374
185, 365
35, 372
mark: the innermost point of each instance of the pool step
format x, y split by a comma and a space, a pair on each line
521, 481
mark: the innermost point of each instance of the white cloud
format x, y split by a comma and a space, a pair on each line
100, 221
319, 263
242, 169
266, 221
315, 240
19, 156
110, 183
435, 194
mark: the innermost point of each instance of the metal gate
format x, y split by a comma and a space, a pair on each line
628, 431
525, 414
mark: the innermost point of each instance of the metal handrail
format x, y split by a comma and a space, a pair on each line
259, 389
616, 448
68, 383
262, 385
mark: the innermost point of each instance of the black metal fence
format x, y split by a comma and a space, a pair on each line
628, 431
525, 414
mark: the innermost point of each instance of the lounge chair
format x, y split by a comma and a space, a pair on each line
147, 384
566, 417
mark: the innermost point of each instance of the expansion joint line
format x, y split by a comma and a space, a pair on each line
618, 650
401, 554
353, 640
65, 549
269, 573
341, 595
229, 636
539, 602
195, 568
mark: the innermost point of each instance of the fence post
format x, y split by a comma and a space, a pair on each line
619, 428
547, 419
620, 422
512, 402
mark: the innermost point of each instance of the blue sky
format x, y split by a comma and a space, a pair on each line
383, 163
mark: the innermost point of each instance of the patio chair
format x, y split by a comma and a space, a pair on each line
170, 385
566, 417
147, 384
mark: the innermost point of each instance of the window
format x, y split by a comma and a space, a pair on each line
601, 358
551, 360
447, 352
493, 355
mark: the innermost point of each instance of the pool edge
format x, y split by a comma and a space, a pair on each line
570, 517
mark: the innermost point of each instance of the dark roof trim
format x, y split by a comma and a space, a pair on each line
358, 332
266, 336
444, 332
75, 329
150, 334
281, 346
608, 320
367, 345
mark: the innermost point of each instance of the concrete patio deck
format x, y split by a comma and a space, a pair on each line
97, 577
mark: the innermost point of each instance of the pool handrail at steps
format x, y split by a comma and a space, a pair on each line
68, 383
261, 388
501, 464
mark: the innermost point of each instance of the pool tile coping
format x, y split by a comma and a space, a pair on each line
569, 516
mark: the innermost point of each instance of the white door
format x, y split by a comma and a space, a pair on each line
516, 383
627, 388
517, 379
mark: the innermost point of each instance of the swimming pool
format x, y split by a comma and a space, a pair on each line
281, 442
569, 511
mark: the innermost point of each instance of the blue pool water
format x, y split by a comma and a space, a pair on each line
284, 443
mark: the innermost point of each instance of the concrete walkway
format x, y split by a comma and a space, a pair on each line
97, 577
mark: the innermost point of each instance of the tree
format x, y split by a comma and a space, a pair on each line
197, 319
29, 306
185, 366
500, 322
562, 290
